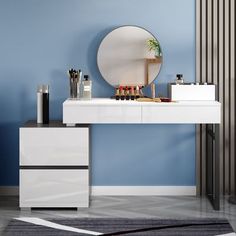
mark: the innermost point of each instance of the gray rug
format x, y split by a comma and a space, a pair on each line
108, 227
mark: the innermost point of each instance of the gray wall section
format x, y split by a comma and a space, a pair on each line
215, 63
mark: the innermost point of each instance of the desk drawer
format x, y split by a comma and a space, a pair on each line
54, 188
164, 114
101, 114
54, 146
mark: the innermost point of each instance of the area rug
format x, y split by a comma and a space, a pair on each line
108, 227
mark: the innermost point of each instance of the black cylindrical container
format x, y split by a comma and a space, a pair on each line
43, 104
46, 108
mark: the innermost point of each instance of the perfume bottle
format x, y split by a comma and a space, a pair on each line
179, 79
87, 88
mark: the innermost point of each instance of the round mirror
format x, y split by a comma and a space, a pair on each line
129, 56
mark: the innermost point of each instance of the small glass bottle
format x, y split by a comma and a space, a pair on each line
179, 79
87, 88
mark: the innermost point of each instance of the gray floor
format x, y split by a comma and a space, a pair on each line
127, 207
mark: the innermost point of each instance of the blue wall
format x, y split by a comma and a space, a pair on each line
41, 39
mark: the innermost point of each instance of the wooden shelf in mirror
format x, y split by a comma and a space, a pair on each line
154, 60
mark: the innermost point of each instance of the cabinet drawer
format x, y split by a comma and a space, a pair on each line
54, 188
54, 146
101, 114
181, 114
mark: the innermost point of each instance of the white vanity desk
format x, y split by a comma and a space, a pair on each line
109, 111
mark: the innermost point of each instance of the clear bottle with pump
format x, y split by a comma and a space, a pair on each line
87, 88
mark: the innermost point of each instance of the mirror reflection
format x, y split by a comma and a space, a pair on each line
129, 56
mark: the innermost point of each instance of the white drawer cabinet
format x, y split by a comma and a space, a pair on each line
54, 188
54, 165
54, 146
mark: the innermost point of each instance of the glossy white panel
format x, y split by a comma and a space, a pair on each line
193, 92
54, 188
181, 114
102, 113
54, 146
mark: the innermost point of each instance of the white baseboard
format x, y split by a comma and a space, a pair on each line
143, 190
9, 190
123, 191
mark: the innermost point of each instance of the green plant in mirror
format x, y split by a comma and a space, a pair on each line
154, 45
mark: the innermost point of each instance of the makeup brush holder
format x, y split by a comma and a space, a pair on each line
75, 77
73, 88
43, 104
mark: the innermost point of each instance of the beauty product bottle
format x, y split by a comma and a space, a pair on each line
46, 104
132, 92
127, 96
117, 95
87, 88
141, 91
43, 104
39, 105
179, 79
122, 93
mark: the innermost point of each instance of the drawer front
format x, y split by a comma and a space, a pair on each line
54, 146
101, 114
181, 114
54, 188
